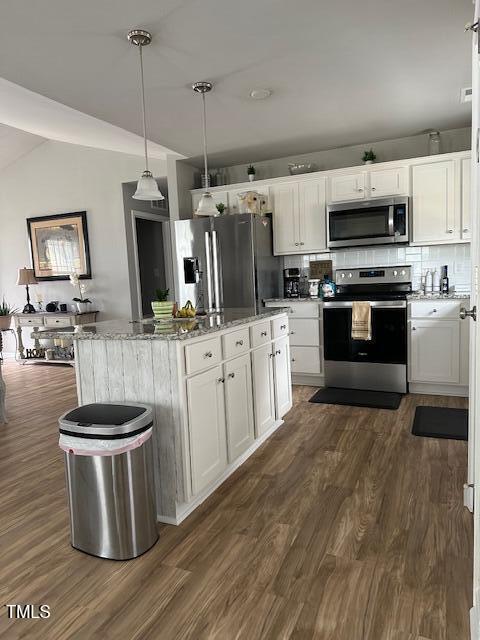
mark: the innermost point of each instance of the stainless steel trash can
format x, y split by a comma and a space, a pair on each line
109, 474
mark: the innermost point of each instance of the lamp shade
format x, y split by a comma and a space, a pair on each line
26, 276
207, 206
147, 188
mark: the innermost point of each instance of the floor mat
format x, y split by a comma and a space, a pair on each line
441, 422
358, 398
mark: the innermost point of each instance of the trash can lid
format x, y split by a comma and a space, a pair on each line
106, 420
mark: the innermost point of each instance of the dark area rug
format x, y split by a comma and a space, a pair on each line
358, 398
441, 422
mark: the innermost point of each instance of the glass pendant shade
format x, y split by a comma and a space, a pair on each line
147, 188
207, 206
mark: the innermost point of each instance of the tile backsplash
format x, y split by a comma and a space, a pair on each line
456, 256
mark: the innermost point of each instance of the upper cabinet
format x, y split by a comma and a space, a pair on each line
388, 182
365, 185
299, 216
441, 202
466, 166
347, 187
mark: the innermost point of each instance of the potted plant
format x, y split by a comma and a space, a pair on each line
369, 157
161, 307
220, 208
6, 312
251, 172
82, 302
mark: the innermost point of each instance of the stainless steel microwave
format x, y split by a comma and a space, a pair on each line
370, 222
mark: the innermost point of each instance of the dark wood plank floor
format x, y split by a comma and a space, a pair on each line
343, 526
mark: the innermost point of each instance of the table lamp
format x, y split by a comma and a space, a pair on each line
26, 277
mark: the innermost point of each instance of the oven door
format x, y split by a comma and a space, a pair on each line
389, 333
361, 224
379, 364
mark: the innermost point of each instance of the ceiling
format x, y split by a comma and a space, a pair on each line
341, 72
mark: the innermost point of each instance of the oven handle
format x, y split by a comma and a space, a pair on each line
391, 220
376, 304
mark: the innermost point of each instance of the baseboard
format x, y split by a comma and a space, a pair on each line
185, 509
308, 380
474, 624
439, 389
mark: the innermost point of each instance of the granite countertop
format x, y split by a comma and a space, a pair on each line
163, 329
417, 295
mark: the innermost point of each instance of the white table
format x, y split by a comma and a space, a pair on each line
46, 320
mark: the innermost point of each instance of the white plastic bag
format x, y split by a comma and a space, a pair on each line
93, 447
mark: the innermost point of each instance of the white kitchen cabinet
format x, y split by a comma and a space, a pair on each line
384, 183
207, 427
239, 406
218, 197
263, 389
284, 201
435, 351
299, 216
306, 361
283, 384
304, 332
311, 215
466, 164
435, 202
347, 187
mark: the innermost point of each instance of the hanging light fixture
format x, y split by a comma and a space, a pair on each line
147, 187
206, 206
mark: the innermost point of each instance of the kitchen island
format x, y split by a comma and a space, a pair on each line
219, 386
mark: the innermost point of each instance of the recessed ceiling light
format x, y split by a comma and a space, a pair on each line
260, 94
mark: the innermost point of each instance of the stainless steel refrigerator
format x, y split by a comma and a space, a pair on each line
226, 262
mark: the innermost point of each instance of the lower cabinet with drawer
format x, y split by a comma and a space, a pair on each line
306, 340
438, 357
237, 389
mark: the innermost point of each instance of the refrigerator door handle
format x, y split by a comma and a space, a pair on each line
208, 251
218, 304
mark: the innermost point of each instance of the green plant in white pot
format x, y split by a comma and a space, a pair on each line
161, 307
6, 312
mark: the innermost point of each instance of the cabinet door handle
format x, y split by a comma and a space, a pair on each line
293, 359
465, 230
231, 375
239, 343
414, 328
292, 333
434, 311
283, 326
271, 355
220, 379
264, 334
209, 354
297, 244
278, 352
449, 230
359, 189
301, 244
374, 188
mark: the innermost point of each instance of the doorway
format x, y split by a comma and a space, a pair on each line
152, 258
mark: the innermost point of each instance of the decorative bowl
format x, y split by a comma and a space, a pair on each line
298, 168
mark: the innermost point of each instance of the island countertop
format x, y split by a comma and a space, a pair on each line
175, 329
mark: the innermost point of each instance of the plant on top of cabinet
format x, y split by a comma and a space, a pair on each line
369, 157
220, 208
251, 172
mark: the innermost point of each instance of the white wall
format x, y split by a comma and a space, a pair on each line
58, 177
398, 149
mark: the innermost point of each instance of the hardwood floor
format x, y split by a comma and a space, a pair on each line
343, 526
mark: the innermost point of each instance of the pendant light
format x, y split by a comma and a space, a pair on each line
147, 187
206, 206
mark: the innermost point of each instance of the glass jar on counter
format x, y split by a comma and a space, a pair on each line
313, 286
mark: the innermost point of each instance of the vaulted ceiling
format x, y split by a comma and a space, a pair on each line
340, 72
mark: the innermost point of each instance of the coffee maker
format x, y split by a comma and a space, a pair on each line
291, 282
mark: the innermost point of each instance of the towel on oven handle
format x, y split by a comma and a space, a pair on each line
361, 321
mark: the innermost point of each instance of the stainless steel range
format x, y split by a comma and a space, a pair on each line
380, 363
